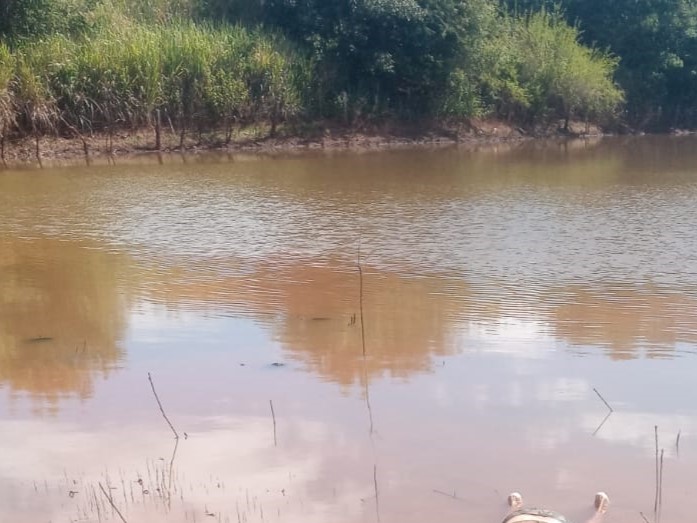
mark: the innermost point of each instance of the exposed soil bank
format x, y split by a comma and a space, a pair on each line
28, 150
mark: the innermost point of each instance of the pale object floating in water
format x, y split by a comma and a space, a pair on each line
519, 514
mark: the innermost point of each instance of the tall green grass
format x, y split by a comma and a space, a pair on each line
7, 112
7, 68
195, 76
539, 71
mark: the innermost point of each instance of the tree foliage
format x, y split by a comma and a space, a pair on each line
384, 55
540, 70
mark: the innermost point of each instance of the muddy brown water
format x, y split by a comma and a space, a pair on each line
500, 288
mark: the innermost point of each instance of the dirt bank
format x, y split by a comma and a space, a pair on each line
28, 150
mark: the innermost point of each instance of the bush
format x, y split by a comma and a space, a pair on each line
382, 56
32, 19
462, 98
540, 71
7, 113
195, 75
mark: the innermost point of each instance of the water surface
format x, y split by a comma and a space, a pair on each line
500, 288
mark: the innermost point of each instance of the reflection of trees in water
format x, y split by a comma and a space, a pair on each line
410, 320
625, 319
61, 316
68, 292
310, 310
407, 322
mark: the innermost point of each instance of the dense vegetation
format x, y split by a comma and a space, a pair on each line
657, 43
77, 66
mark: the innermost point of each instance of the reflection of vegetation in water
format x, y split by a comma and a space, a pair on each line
313, 312
60, 316
407, 322
625, 319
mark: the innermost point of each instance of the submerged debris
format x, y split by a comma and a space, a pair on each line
40, 339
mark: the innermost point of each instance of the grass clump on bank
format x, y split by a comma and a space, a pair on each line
7, 110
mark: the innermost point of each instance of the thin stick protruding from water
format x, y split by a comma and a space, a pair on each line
360, 297
111, 502
660, 488
377, 494
603, 400
171, 466
602, 423
273, 416
367, 401
453, 495
162, 410
365, 365
677, 443
655, 501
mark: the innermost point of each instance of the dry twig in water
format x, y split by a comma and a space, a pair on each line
603, 400
365, 365
171, 466
660, 488
360, 297
377, 496
111, 502
159, 403
655, 501
602, 423
273, 416
453, 495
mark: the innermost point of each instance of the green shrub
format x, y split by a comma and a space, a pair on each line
32, 19
540, 71
7, 68
195, 75
462, 98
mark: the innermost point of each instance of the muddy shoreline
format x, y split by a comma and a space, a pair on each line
27, 151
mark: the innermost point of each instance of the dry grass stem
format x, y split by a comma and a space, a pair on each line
162, 410
111, 502
603, 400
273, 416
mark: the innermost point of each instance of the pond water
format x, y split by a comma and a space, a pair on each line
501, 293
